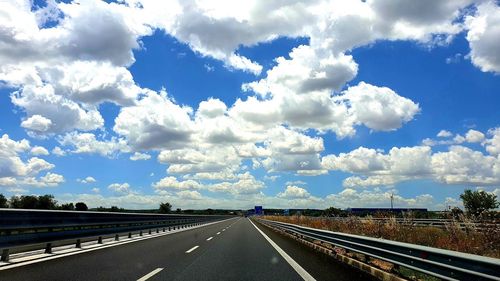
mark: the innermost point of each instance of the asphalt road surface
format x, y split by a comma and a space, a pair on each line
230, 250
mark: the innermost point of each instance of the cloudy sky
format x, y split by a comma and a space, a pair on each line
229, 104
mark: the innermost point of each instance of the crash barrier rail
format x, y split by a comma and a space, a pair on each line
22, 228
439, 223
444, 264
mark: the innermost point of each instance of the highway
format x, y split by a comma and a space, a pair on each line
234, 249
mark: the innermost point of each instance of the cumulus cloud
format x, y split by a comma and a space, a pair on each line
88, 143
16, 170
139, 156
294, 192
246, 184
37, 123
58, 151
493, 144
39, 150
483, 33
55, 113
474, 136
173, 183
88, 179
350, 197
62, 74
120, 188
458, 165
155, 122
189, 195
444, 134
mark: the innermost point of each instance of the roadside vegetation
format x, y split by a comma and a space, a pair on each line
476, 231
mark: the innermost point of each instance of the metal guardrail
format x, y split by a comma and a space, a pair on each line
439, 223
20, 228
444, 264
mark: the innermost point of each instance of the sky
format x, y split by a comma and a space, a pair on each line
231, 104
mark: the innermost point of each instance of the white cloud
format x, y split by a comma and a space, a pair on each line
379, 108
189, 195
39, 150
139, 156
246, 184
88, 179
12, 167
474, 136
57, 113
37, 123
376, 198
58, 151
155, 122
173, 183
483, 33
294, 192
493, 144
458, 165
51, 179
444, 134
88, 143
120, 188
211, 108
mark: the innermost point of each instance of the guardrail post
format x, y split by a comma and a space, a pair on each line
163, 229
149, 232
117, 237
99, 240
157, 230
78, 243
140, 233
48, 248
130, 235
5, 255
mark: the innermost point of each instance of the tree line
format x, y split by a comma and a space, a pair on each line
44, 202
476, 203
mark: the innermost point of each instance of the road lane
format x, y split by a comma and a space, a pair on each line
319, 265
207, 253
239, 253
125, 262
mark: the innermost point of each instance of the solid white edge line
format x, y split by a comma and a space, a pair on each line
210, 238
149, 275
135, 239
192, 249
301, 271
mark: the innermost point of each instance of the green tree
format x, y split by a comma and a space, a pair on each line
68, 207
333, 212
165, 208
15, 202
476, 202
3, 201
80, 206
29, 202
116, 209
46, 202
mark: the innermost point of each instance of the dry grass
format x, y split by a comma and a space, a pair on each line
469, 240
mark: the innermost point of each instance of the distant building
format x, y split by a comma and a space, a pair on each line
371, 211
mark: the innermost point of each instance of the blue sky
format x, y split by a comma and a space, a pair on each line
219, 106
